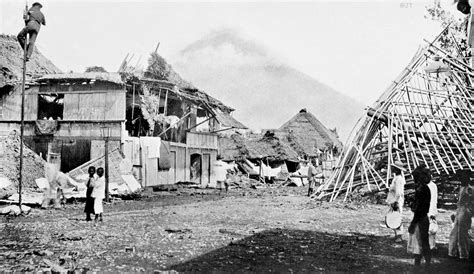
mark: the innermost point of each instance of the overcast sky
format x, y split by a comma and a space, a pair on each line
357, 47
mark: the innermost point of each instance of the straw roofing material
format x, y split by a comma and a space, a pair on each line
194, 95
94, 76
237, 147
11, 63
307, 133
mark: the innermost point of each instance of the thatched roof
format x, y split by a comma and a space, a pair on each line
86, 76
194, 95
11, 63
160, 72
227, 120
268, 146
305, 132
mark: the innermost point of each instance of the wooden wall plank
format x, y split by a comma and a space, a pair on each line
71, 107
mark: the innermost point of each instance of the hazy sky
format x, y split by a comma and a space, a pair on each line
357, 47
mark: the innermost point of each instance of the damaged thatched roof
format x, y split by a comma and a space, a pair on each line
87, 76
305, 132
228, 121
11, 62
160, 73
236, 147
194, 95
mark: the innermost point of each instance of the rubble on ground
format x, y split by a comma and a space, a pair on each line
33, 165
14, 210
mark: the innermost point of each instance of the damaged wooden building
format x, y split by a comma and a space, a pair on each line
168, 132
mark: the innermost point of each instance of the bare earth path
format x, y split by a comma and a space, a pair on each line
245, 231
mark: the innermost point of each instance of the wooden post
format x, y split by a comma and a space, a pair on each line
107, 169
133, 102
165, 111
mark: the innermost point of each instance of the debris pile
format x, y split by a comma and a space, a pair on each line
33, 164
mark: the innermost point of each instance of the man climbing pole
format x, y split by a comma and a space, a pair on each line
34, 18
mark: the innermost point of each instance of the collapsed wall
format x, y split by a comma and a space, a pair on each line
33, 164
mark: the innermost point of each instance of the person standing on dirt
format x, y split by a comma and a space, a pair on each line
311, 176
34, 18
89, 209
395, 197
459, 240
98, 193
433, 212
418, 241
220, 168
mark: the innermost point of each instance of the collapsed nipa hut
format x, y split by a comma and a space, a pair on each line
251, 152
424, 117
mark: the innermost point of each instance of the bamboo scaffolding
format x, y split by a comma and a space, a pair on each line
419, 118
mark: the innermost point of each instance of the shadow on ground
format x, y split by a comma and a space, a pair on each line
284, 250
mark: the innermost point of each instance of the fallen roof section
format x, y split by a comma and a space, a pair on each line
268, 146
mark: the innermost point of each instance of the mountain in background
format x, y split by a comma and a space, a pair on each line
264, 92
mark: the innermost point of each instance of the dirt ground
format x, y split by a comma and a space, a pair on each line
265, 230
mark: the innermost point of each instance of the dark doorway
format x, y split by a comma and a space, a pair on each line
196, 168
74, 153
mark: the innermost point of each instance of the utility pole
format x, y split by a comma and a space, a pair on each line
107, 169
105, 132
22, 125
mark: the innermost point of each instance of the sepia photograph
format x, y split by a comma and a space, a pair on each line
257, 136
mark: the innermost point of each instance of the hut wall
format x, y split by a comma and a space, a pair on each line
11, 104
202, 147
100, 105
71, 152
78, 138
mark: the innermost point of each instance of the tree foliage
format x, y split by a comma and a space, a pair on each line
453, 39
95, 69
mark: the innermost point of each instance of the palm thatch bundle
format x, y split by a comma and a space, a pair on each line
424, 117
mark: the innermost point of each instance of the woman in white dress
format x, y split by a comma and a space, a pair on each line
395, 197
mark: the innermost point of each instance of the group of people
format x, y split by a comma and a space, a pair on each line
95, 194
423, 226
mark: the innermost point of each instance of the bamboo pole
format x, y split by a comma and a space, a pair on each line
22, 125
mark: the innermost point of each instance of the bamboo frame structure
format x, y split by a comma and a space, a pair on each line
422, 118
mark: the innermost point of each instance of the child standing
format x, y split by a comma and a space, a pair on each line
89, 209
98, 193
